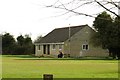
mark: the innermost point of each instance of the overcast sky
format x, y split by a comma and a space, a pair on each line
30, 17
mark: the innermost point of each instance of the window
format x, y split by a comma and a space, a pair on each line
85, 47
53, 46
39, 47
60, 46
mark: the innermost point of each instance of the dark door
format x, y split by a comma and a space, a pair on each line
48, 49
44, 49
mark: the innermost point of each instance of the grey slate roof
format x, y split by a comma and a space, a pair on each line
61, 34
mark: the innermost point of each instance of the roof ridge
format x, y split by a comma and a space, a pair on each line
72, 26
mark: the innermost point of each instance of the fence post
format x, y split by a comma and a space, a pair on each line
47, 77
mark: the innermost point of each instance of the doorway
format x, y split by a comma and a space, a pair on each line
46, 49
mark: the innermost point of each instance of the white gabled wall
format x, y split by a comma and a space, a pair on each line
80, 38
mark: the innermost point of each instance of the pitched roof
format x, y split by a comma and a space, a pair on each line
61, 34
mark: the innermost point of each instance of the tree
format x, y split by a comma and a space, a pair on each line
25, 45
103, 25
113, 3
114, 46
108, 5
107, 33
28, 40
20, 40
8, 43
28, 45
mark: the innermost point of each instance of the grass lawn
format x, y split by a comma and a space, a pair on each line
31, 67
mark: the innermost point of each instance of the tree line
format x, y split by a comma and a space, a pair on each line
22, 45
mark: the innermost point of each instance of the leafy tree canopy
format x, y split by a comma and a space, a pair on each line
8, 43
108, 33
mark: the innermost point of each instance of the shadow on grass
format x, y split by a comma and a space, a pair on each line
30, 57
63, 59
61, 79
20, 56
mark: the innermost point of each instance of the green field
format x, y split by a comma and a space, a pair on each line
32, 67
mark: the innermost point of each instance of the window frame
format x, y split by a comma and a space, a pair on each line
53, 46
85, 47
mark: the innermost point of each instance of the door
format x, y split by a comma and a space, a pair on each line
48, 49
44, 49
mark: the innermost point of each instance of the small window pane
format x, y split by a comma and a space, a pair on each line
83, 46
54, 46
86, 47
39, 47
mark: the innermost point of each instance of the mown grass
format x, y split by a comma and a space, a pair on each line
33, 67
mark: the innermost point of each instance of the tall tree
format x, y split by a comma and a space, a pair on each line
115, 38
107, 33
103, 24
25, 45
20, 40
28, 45
8, 43
28, 40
